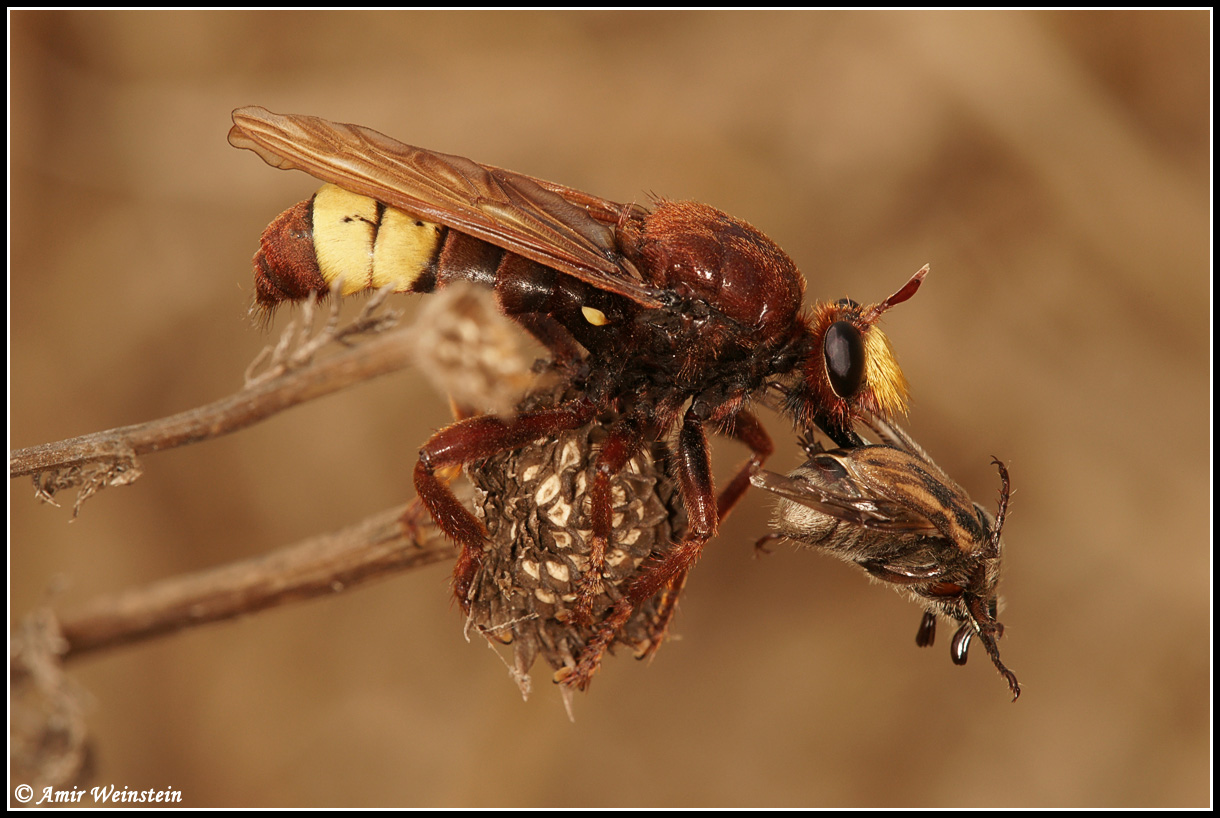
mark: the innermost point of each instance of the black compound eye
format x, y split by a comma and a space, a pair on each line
844, 351
832, 470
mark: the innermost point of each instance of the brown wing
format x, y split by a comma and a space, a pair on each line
846, 500
914, 482
551, 224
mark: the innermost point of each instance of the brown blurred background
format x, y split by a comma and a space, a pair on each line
1052, 167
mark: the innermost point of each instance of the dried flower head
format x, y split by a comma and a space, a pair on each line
535, 507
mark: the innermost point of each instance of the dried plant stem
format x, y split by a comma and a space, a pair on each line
377, 547
381, 355
386, 543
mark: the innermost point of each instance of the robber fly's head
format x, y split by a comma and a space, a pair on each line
850, 369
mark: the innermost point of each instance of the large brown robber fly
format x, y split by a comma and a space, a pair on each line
675, 318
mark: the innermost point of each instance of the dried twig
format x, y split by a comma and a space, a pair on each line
384, 544
48, 736
109, 458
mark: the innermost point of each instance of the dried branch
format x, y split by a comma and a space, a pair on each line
49, 742
109, 458
461, 343
49, 735
382, 545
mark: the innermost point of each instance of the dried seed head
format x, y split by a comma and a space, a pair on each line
534, 504
473, 353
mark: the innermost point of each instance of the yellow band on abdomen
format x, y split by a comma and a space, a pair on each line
367, 245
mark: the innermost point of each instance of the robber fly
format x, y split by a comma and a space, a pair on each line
892, 511
674, 318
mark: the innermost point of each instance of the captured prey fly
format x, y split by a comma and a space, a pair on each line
892, 511
674, 318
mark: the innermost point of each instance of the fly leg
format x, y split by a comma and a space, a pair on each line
623, 443
475, 439
748, 430
699, 497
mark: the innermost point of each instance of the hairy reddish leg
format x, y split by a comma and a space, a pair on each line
704, 510
749, 431
474, 439
699, 497
623, 443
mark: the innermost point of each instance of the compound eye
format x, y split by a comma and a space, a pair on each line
844, 351
832, 470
